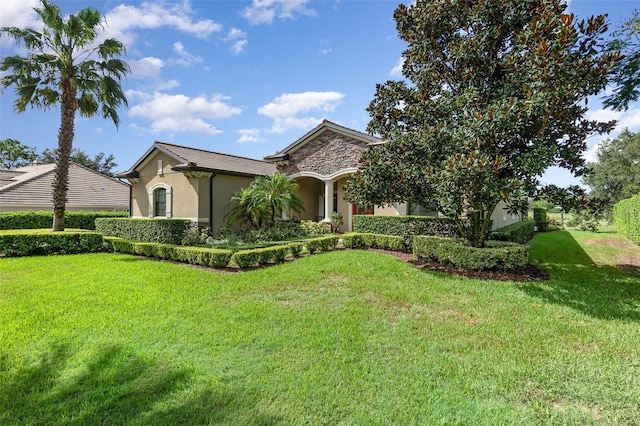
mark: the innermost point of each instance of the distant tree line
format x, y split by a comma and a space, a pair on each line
14, 154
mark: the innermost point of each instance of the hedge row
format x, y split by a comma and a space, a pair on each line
44, 220
405, 226
266, 255
219, 258
324, 243
44, 243
164, 231
213, 258
626, 215
368, 240
519, 232
498, 255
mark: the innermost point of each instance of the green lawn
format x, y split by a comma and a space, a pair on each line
345, 337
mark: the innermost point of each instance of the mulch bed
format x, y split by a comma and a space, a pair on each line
528, 274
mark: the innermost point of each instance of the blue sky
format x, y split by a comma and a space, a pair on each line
244, 77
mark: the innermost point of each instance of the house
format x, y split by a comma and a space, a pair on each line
181, 182
30, 188
176, 181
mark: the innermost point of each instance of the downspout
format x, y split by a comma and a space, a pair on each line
211, 201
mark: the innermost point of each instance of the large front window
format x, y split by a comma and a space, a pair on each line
160, 201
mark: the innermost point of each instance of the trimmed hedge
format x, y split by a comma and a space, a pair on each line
626, 215
40, 243
500, 255
540, 218
405, 226
165, 231
212, 258
43, 220
516, 232
262, 256
325, 243
366, 240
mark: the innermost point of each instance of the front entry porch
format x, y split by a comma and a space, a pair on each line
324, 195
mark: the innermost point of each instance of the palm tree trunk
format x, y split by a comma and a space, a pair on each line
65, 142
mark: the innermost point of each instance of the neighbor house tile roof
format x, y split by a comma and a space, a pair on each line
30, 187
200, 159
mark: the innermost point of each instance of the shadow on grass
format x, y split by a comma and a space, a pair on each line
113, 387
604, 292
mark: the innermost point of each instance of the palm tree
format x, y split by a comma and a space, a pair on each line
278, 193
245, 207
65, 67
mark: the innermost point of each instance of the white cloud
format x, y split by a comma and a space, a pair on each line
124, 19
180, 113
284, 109
19, 13
265, 11
397, 70
238, 40
150, 68
629, 119
249, 136
186, 58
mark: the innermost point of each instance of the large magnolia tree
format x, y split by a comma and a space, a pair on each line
64, 67
494, 93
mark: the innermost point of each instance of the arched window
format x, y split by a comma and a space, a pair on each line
160, 202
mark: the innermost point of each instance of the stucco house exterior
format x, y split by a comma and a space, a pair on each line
30, 188
175, 181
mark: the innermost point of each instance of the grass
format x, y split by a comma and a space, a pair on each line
345, 337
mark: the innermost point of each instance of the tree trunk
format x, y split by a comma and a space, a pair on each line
65, 142
479, 222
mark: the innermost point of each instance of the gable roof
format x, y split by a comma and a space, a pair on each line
11, 178
195, 159
318, 130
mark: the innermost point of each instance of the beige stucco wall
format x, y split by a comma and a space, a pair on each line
224, 186
184, 192
391, 210
310, 191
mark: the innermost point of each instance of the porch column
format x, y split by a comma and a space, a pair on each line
349, 217
328, 199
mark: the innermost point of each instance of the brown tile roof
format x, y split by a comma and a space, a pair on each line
200, 159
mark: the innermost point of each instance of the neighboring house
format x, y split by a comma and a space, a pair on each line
180, 182
31, 188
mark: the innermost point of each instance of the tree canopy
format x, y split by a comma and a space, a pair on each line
616, 173
627, 78
14, 154
494, 93
65, 66
101, 162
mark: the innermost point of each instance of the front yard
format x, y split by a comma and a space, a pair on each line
348, 337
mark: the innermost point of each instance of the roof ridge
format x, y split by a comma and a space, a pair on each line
210, 152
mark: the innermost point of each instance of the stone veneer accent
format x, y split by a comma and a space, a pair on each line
326, 154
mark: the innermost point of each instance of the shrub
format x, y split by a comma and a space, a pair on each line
209, 257
626, 215
166, 231
44, 220
260, 256
519, 232
30, 243
405, 226
366, 240
498, 255
540, 218
325, 243
295, 249
312, 228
